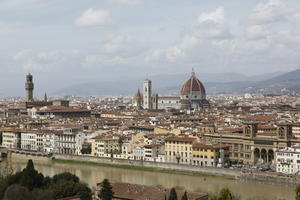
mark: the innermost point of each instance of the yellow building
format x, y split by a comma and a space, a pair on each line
179, 149
106, 146
210, 155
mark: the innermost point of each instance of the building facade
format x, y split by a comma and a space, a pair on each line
179, 149
288, 160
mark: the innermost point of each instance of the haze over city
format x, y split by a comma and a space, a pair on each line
69, 42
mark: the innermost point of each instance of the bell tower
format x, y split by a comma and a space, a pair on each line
29, 86
147, 94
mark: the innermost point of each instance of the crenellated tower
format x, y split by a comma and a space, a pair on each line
29, 86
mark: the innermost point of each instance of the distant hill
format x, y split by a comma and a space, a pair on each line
282, 84
167, 84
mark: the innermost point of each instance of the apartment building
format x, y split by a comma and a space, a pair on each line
11, 139
210, 155
179, 149
288, 160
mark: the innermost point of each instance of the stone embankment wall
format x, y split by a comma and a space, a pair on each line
35, 158
167, 166
270, 177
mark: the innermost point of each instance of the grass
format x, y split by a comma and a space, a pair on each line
140, 168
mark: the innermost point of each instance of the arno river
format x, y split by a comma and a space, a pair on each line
95, 174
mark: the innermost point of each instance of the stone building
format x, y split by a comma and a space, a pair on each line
29, 86
193, 94
288, 160
251, 147
137, 100
179, 149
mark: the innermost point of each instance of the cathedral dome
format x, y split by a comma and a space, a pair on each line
193, 86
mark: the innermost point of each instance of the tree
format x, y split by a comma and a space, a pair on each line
17, 192
65, 188
224, 194
297, 190
66, 176
106, 192
30, 177
184, 197
173, 194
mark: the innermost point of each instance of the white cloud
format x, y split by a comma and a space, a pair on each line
216, 16
93, 17
212, 25
270, 12
126, 1
117, 50
32, 60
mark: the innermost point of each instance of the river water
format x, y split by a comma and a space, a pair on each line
95, 174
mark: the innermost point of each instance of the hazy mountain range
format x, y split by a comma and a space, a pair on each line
271, 83
164, 84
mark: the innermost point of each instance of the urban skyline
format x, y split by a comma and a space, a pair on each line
109, 40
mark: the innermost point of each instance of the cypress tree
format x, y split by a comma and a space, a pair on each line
173, 195
185, 197
30, 177
106, 192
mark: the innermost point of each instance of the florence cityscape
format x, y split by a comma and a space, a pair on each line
150, 100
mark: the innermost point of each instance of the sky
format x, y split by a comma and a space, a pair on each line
65, 42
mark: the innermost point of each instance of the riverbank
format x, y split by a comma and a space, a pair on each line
139, 168
95, 173
168, 168
149, 166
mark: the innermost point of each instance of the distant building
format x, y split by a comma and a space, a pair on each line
193, 94
288, 160
137, 100
210, 155
179, 149
29, 86
147, 95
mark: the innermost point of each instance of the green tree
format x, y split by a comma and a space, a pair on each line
30, 177
40, 194
173, 194
17, 192
224, 194
66, 176
185, 197
64, 189
106, 192
297, 190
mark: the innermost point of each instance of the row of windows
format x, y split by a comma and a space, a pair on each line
212, 157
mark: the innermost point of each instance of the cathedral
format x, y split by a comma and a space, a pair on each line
192, 97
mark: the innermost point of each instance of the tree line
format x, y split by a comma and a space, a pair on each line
29, 184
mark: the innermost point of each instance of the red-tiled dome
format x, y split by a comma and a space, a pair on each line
192, 85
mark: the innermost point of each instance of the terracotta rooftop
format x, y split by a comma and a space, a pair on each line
142, 192
180, 139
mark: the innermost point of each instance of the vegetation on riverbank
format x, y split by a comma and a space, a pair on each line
29, 184
140, 168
